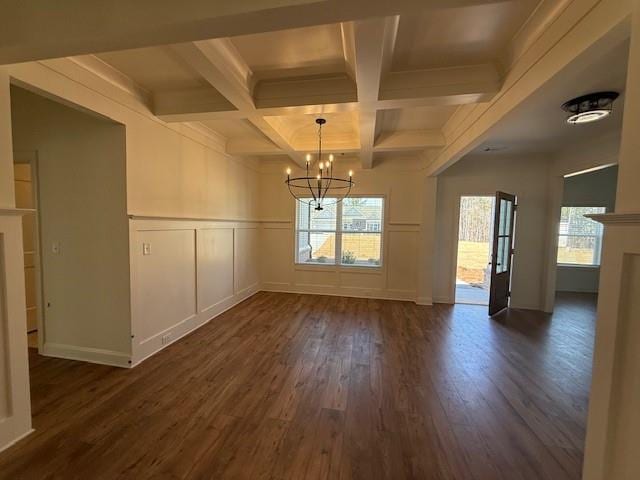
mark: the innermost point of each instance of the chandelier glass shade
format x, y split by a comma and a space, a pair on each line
320, 186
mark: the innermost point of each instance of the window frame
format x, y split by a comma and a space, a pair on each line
597, 257
338, 241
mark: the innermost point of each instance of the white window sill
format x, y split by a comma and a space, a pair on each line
318, 267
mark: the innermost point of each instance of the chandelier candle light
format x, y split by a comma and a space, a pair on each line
312, 190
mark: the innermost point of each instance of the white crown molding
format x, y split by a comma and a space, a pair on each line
115, 77
214, 137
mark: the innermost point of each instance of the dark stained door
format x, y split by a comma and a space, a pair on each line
502, 252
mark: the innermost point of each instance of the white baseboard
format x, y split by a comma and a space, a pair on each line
446, 300
149, 347
379, 294
426, 301
86, 354
11, 443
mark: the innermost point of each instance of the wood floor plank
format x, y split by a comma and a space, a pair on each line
290, 386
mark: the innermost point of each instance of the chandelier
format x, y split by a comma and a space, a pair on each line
319, 187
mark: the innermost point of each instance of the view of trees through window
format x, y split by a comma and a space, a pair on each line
474, 240
350, 231
580, 238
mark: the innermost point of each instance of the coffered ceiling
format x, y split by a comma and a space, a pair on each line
385, 84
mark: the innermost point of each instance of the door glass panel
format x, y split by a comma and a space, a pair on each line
505, 254
499, 259
507, 217
502, 219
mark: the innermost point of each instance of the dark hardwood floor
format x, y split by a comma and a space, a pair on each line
291, 386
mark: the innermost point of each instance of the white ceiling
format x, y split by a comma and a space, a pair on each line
539, 125
154, 68
300, 51
455, 36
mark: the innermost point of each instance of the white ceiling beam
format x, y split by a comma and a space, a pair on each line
191, 105
220, 64
453, 84
305, 92
443, 86
409, 140
372, 43
28, 30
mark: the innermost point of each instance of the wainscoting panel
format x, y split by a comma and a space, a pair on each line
184, 273
166, 281
247, 274
215, 267
404, 274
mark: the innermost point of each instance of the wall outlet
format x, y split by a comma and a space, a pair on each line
146, 249
166, 338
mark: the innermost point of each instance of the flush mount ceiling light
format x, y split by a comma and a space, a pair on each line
590, 108
312, 189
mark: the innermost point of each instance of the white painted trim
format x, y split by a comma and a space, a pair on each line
348, 292
86, 354
425, 301
224, 305
445, 300
194, 219
16, 440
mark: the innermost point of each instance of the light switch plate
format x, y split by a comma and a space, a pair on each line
55, 248
146, 249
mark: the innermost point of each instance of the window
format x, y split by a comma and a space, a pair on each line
349, 231
580, 238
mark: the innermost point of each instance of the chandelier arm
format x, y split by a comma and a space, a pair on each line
329, 182
300, 199
308, 183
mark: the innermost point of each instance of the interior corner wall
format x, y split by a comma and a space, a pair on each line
400, 180
591, 189
193, 233
525, 176
82, 226
195, 207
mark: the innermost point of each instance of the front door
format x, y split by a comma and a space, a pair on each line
502, 254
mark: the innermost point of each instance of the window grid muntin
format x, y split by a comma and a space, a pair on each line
339, 231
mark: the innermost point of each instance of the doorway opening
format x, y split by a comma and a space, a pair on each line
579, 237
475, 232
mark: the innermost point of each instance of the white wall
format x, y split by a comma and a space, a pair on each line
401, 181
82, 211
596, 188
526, 177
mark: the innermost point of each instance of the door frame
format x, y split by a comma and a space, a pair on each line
30, 157
456, 233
